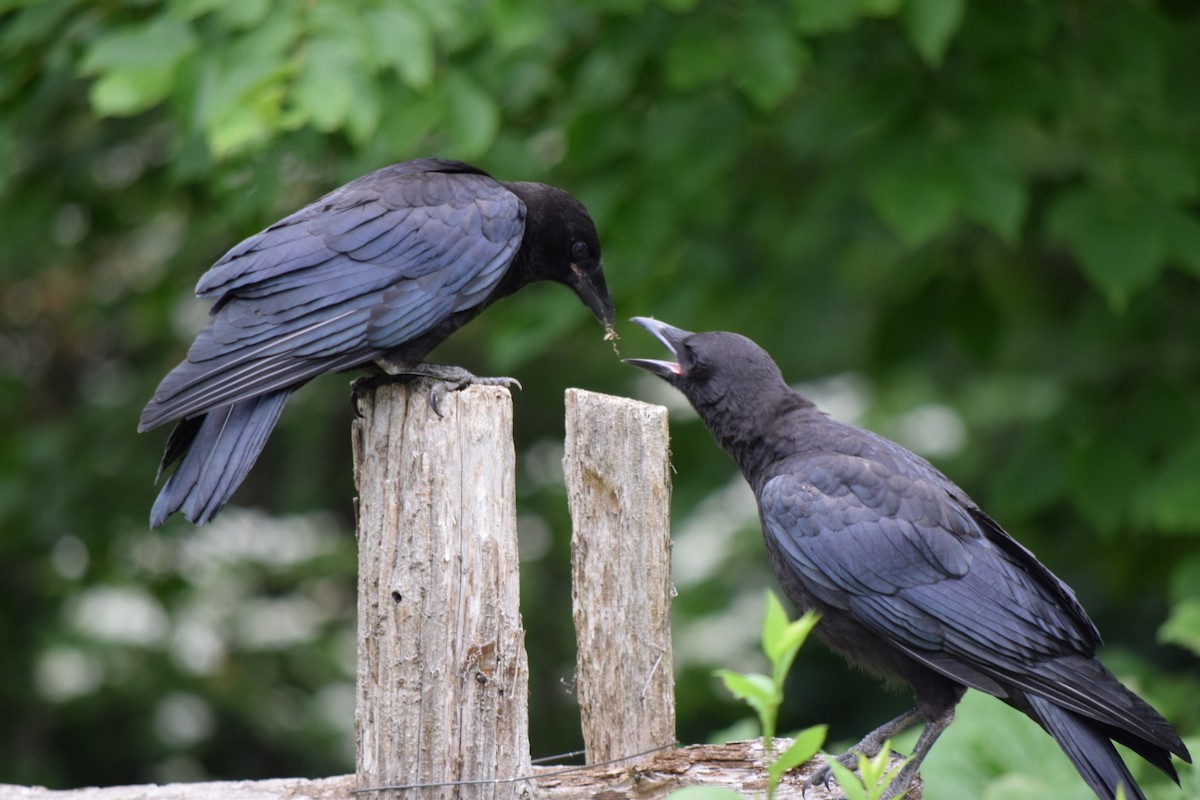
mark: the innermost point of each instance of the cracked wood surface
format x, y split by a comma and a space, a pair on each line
618, 478
737, 765
442, 672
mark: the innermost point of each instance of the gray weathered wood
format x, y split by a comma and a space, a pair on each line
442, 671
619, 489
738, 766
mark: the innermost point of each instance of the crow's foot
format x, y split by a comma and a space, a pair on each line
870, 746
442, 378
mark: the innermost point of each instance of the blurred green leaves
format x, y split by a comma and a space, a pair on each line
255, 71
931, 24
987, 207
402, 38
1118, 238
135, 65
1183, 626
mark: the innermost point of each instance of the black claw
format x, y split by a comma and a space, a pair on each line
437, 390
359, 387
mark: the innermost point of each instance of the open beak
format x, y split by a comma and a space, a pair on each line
670, 336
593, 291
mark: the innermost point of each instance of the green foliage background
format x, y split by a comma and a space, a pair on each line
972, 226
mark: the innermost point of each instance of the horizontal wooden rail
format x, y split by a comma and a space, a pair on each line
737, 765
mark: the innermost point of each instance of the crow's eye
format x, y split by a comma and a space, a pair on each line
579, 251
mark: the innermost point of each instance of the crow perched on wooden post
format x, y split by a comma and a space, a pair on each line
374, 274
913, 581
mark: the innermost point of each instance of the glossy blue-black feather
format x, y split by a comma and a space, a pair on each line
366, 268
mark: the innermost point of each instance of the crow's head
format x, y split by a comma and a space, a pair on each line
561, 245
711, 369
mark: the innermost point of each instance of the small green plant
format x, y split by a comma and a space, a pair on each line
781, 641
874, 776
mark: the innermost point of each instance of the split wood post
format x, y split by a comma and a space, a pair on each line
442, 671
618, 480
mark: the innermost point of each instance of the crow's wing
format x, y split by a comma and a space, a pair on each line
931, 575
366, 268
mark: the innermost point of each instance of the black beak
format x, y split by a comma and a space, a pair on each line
670, 336
593, 291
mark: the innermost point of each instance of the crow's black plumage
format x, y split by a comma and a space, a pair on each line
912, 580
374, 274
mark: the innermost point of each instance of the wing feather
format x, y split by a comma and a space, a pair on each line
917, 569
363, 270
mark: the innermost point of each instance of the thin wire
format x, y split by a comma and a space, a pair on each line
544, 759
497, 781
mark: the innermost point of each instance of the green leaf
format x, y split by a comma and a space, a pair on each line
878, 772
758, 692
243, 87
1170, 173
931, 24
822, 16
190, 9
1168, 496
771, 62
365, 114
473, 116
783, 639
403, 39
1182, 626
325, 87
243, 126
518, 23
755, 689
914, 190
136, 64
878, 8
700, 54
850, 784
873, 778
1117, 238
992, 191
124, 92
775, 622
804, 747
1099, 482
406, 125
241, 15
1182, 232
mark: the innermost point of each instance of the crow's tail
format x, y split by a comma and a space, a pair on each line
215, 451
1087, 744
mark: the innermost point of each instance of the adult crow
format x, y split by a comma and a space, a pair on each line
372, 275
913, 581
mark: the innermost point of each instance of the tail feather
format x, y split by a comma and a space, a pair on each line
215, 452
1151, 751
1087, 744
1084, 685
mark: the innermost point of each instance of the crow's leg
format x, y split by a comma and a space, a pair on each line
872, 743
909, 771
442, 378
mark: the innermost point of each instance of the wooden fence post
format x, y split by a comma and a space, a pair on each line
442, 671
619, 491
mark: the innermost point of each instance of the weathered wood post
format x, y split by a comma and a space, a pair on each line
442, 670
619, 490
